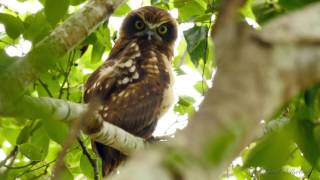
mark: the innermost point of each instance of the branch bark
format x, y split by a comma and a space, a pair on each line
61, 110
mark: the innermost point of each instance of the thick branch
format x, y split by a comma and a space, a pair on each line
30, 107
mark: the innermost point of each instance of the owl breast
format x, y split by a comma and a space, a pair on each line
168, 94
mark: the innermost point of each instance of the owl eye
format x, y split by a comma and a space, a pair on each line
162, 29
139, 25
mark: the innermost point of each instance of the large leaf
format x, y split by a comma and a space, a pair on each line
122, 10
305, 137
86, 167
5, 60
56, 130
24, 134
294, 4
37, 148
13, 25
189, 9
31, 151
274, 146
197, 43
55, 10
37, 27
76, 2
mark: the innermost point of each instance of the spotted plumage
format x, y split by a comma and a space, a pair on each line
134, 84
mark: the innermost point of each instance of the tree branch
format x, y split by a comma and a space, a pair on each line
60, 110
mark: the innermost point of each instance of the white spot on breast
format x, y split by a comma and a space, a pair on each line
136, 48
106, 108
132, 69
128, 63
153, 59
136, 55
105, 115
125, 80
135, 75
121, 94
133, 44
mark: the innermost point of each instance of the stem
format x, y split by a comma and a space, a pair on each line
92, 161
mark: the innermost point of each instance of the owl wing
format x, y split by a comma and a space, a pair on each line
129, 98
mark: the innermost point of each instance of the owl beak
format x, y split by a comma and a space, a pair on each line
153, 35
150, 34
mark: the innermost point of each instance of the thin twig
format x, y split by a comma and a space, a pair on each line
21, 167
11, 155
35, 169
67, 73
92, 161
46, 88
309, 174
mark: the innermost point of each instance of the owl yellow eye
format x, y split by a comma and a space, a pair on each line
162, 29
139, 25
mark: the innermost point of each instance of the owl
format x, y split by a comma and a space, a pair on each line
134, 84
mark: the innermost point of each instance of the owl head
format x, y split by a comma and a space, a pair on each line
150, 24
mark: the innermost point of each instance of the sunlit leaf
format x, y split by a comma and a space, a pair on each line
86, 167
196, 38
122, 10
31, 151
55, 10
36, 27
275, 146
13, 25
76, 2
56, 130
189, 9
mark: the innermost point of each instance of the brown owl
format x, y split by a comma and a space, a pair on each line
135, 83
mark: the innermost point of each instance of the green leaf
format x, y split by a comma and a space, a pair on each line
10, 134
55, 10
5, 60
86, 167
246, 10
275, 146
97, 52
122, 10
103, 37
31, 151
24, 134
56, 130
185, 105
305, 138
294, 4
13, 25
201, 86
76, 2
37, 27
189, 9
65, 174
280, 175
197, 42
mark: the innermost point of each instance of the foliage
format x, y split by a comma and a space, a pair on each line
288, 150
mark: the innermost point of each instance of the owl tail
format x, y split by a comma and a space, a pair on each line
111, 158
